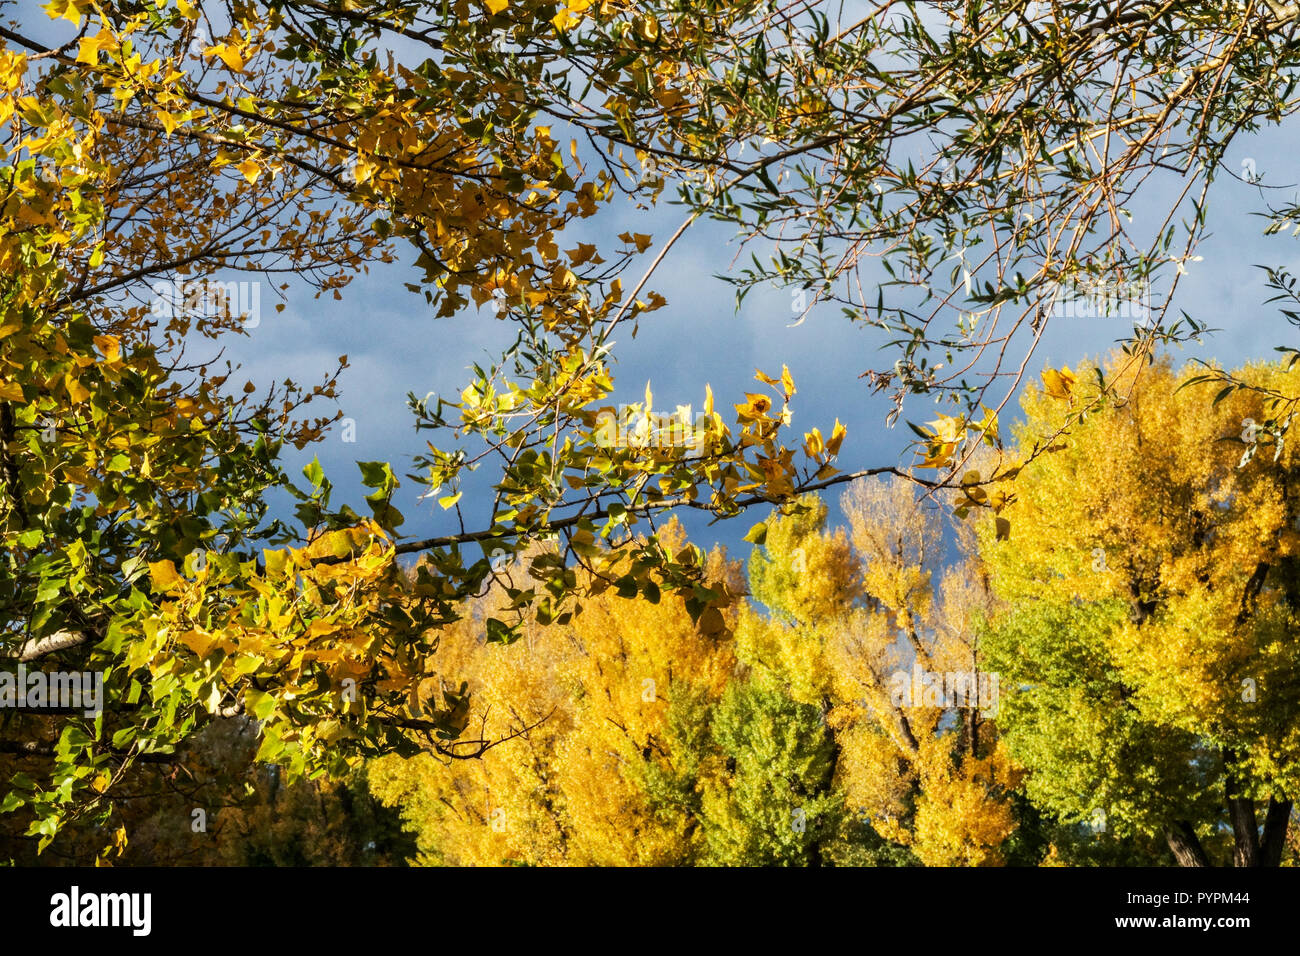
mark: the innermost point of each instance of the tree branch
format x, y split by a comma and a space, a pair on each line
58, 641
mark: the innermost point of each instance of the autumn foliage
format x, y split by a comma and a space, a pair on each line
1063, 639
775, 740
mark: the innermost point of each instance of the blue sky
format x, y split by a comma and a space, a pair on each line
396, 346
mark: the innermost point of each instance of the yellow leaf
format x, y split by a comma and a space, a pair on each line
989, 426
109, 346
837, 438
76, 391
363, 170
938, 454
162, 575
756, 406
585, 252
65, 10
322, 627
11, 392
496, 6
647, 27
250, 169
201, 644
1058, 384
89, 47
949, 428
231, 56
187, 11
450, 500
13, 67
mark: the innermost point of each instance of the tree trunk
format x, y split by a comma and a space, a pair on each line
1274, 839
1245, 831
1187, 848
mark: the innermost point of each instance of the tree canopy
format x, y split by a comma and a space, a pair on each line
1152, 616
939, 172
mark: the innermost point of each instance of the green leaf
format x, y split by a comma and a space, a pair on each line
259, 704
1223, 393
314, 473
498, 632
377, 474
